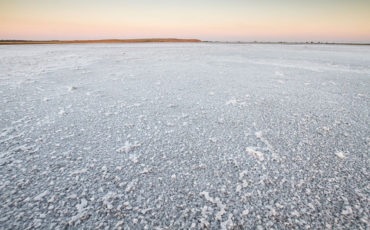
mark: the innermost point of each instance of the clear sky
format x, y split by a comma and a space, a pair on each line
226, 20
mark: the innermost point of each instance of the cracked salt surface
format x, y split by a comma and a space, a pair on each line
254, 153
340, 154
128, 147
184, 136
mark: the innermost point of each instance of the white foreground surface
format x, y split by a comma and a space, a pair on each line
186, 136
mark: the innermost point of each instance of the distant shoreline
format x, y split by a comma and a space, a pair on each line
289, 43
144, 40
163, 40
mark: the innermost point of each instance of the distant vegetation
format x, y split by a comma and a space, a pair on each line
24, 42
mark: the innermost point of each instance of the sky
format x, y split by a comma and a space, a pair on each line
211, 20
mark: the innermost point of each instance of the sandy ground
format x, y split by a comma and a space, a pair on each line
184, 136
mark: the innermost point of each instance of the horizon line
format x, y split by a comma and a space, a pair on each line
162, 40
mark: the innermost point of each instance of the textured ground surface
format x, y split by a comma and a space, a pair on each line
191, 136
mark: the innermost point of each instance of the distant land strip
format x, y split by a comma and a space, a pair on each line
290, 43
148, 40
144, 40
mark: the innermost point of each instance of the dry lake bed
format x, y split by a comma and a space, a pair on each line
184, 136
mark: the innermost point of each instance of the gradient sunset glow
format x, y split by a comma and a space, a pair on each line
224, 20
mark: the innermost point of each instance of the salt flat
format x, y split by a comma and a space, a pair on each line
184, 136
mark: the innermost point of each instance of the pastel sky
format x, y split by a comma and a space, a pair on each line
231, 20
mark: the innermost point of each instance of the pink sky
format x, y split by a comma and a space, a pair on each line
338, 21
